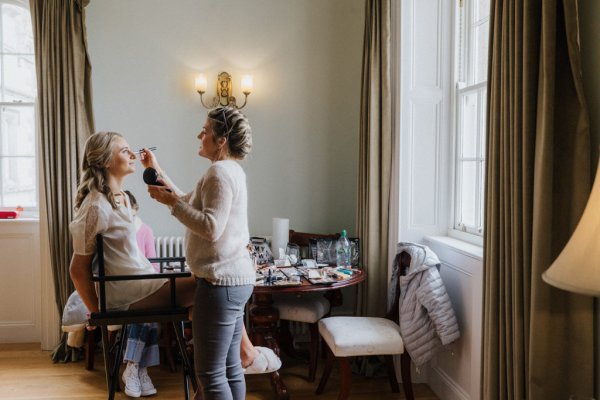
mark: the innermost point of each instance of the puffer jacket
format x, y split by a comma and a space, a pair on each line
427, 320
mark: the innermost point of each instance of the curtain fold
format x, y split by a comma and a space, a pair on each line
65, 120
537, 340
375, 157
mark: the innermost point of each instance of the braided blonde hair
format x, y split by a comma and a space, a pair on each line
97, 156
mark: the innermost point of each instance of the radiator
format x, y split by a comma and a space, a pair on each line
169, 246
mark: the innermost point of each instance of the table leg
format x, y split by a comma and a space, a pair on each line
264, 319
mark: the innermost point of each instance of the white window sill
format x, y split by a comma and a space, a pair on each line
30, 215
460, 246
466, 237
20, 220
27, 216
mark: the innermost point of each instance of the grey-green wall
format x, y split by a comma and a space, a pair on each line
306, 58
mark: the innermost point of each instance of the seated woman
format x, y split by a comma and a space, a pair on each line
101, 206
141, 351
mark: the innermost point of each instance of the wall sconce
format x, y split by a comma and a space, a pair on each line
224, 95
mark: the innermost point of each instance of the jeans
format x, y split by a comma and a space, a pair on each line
217, 324
142, 344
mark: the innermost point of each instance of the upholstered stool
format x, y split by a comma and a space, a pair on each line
360, 336
308, 308
363, 336
303, 307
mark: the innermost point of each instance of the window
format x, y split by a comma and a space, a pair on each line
18, 172
472, 32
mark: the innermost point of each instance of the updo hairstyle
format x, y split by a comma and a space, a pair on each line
231, 124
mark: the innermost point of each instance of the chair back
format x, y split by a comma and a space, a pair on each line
101, 274
403, 263
109, 317
302, 239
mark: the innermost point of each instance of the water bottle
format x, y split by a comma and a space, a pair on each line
342, 251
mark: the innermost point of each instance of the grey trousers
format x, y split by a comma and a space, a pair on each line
217, 326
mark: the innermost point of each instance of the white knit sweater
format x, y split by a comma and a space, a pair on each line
216, 217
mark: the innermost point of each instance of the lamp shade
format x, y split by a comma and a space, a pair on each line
577, 268
201, 83
247, 84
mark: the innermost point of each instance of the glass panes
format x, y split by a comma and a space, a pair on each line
482, 9
471, 108
480, 52
18, 177
17, 131
468, 194
18, 181
468, 129
17, 35
460, 52
19, 78
483, 122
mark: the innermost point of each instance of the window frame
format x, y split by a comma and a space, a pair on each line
29, 210
465, 84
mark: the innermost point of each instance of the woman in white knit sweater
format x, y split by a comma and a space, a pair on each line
215, 215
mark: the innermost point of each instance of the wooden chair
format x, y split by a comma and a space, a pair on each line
90, 344
113, 354
363, 336
308, 308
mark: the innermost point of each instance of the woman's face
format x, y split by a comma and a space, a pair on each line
123, 159
208, 144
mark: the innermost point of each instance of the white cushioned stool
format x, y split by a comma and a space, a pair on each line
307, 308
361, 336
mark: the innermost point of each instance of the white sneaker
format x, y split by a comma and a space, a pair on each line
131, 379
148, 388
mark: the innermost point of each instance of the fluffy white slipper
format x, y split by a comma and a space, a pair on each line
272, 358
265, 362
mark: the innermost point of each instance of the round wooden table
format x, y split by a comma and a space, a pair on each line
264, 316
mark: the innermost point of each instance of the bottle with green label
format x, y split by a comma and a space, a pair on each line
342, 251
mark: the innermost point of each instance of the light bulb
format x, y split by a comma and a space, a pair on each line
201, 83
247, 84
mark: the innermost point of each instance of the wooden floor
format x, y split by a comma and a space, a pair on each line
28, 373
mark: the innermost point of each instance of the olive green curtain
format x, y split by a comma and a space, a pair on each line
375, 158
537, 340
65, 121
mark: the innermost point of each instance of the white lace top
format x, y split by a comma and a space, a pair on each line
121, 253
